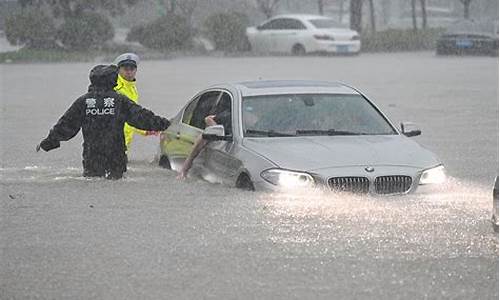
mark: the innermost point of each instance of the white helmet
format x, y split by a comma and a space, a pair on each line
127, 59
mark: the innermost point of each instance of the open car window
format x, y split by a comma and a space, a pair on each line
202, 108
188, 112
223, 113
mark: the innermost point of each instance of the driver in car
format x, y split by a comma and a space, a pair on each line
221, 115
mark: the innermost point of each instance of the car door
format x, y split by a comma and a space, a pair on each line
192, 123
219, 159
287, 34
176, 148
264, 39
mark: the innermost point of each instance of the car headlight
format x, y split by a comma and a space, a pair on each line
288, 179
433, 176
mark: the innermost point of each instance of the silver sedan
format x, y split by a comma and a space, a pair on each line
284, 135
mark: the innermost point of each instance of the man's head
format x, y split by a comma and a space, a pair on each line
104, 76
127, 65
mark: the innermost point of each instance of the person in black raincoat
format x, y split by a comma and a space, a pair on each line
101, 114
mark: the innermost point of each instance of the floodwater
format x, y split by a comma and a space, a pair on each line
150, 236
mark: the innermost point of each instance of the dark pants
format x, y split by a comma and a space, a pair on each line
104, 166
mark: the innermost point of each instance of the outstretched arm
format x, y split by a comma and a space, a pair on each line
144, 119
65, 129
199, 144
188, 163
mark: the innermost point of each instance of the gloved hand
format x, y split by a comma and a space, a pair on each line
47, 145
149, 133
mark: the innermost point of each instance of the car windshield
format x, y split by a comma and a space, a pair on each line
326, 23
311, 114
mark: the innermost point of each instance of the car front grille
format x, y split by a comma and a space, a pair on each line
384, 185
358, 185
392, 184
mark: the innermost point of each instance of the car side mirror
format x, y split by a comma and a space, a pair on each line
410, 129
215, 133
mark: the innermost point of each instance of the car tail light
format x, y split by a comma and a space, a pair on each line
324, 37
355, 38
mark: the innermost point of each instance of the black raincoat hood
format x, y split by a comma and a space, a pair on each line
103, 77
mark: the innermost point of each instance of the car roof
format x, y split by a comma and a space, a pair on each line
279, 87
300, 16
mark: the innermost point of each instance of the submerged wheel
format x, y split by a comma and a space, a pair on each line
164, 162
245, 183
298, 50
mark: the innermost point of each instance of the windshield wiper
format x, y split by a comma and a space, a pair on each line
326, 132
269, 133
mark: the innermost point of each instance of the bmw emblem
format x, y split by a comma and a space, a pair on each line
369, 169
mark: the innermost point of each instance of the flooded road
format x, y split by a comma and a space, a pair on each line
150, 236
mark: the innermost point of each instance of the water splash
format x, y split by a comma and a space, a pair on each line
451, 221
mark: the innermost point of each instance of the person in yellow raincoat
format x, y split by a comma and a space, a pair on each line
127, 68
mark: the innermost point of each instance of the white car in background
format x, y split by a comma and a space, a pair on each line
301, 34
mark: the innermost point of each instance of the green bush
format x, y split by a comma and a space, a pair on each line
170, 32
228, 31
47, 55
400, 40
32, 28
88, 30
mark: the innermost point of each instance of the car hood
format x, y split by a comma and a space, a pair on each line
319, 152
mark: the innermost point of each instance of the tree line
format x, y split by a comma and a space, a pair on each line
83, 23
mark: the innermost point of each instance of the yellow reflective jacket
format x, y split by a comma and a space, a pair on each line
128, 89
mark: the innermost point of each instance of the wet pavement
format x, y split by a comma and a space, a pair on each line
150, 236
